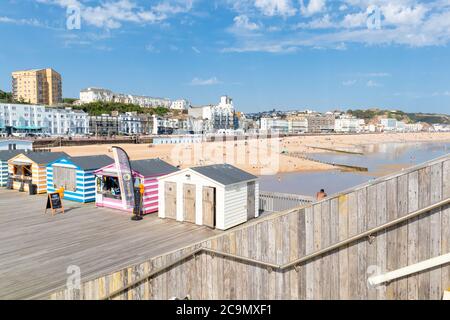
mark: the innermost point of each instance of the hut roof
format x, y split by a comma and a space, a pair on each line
225, 174
44, 157
91, 162
152, 167
5, 155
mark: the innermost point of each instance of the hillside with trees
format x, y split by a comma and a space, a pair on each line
6, 97
373, 115
99, 108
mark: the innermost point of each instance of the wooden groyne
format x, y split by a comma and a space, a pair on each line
344, 167
386, 239
337, 150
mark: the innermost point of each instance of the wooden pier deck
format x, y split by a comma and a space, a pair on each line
36, 249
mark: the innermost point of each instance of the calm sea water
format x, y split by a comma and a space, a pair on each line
380, 159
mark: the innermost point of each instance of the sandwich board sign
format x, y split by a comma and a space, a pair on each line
54, 203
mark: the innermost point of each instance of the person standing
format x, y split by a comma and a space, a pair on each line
321, 194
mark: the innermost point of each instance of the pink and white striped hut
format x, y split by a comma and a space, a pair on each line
108, 193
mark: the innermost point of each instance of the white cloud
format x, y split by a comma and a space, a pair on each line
276, 7
313, 7
151, 48
398, 14
354, 20
319, 23
22, 22
348, 83
205, 82
373, 84
243, 22
196, 50
111, 14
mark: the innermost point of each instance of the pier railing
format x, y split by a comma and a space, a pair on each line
276, 202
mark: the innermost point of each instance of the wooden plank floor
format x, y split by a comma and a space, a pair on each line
36, 249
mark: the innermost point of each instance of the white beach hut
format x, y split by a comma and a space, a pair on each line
218, 196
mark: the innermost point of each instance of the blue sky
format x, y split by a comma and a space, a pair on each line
284, 54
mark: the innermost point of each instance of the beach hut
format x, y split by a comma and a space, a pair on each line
145, 172
30, 168
76, 176
218, 196
5, 155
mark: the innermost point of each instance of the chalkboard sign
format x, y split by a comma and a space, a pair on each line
9, 183
54, 203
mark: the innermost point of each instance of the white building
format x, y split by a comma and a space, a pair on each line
202, 112
181, 104
217, 196
347, 123
441, 127
14, 144
297, 125
274, 124
223, 114
22, 118
389, 124
130, 124
89, 95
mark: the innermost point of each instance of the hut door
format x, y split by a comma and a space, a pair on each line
209, 207
251, 200
170, 200
189, 203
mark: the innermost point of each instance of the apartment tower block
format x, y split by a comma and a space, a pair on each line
42, 86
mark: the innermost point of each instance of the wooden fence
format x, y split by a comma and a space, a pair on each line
244, 263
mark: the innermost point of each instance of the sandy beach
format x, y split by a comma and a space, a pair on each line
258, 156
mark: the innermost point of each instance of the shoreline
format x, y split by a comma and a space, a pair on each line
261, 157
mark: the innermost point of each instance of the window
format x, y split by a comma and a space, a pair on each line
65, 177
111, 187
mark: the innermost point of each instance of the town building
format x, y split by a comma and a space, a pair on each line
274, 124
347, 123
217, 196
297, 124
181, 104
104, 125
318, 123
223, 114
15, 144
90, 95
440, 127
23, 118
388, 124
42, 86
216, 117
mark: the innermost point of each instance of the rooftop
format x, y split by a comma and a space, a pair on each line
225, 174
152, 167
44, 157
91, 162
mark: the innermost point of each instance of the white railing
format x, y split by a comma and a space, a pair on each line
275, 202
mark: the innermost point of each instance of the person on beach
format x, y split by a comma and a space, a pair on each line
321, 194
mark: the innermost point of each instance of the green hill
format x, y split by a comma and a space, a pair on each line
99, 108
5, 97
407, 117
